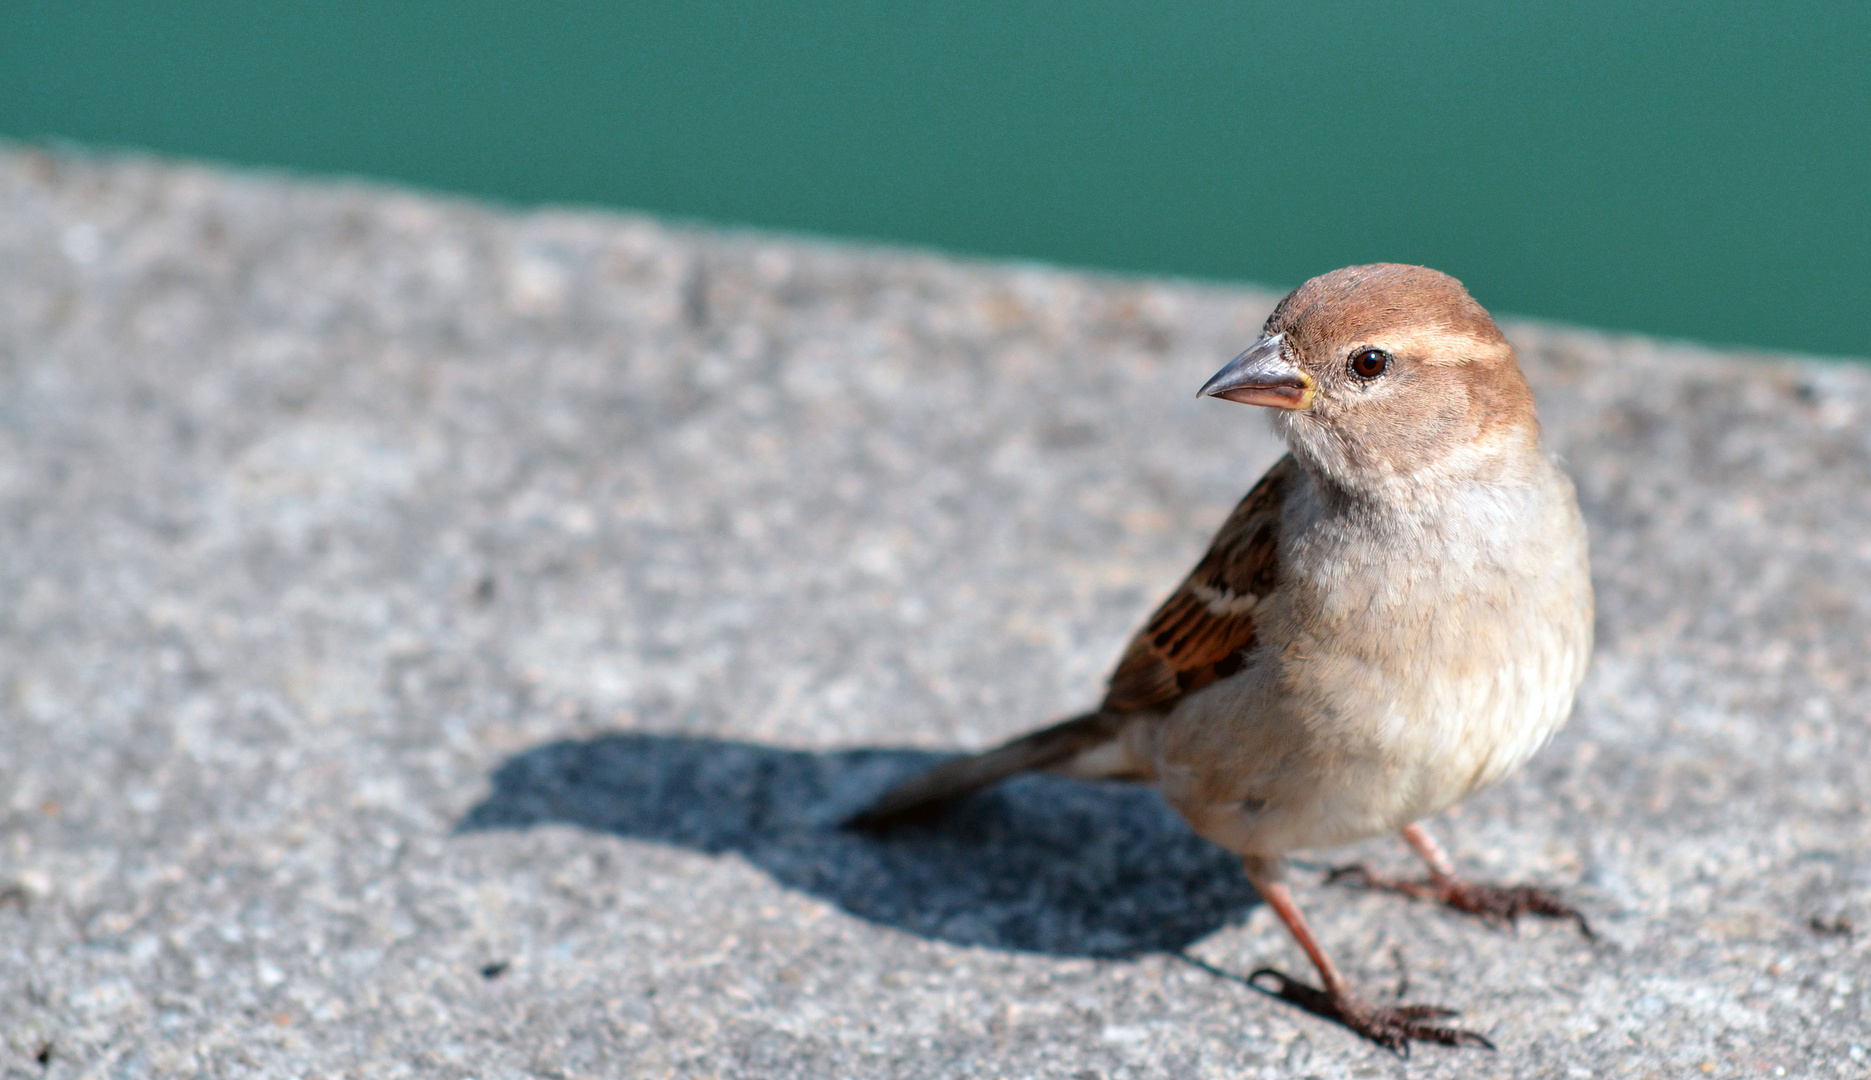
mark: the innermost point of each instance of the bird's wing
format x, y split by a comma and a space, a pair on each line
1201, 631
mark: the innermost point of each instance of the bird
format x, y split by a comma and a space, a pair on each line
1396, 616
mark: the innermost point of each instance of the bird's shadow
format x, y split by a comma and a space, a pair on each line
1041, 864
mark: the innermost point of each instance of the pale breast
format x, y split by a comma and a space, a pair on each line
1403, 667
1452, 651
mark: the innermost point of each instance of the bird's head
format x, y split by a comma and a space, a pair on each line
1388, 379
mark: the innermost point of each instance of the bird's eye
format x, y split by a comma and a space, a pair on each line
1369, 363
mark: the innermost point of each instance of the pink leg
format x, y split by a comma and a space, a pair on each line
1498, 904
1280, 899
1390, 1026
1440, 865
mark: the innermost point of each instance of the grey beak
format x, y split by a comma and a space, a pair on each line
1262, 376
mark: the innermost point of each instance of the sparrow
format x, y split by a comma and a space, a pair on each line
1396, 616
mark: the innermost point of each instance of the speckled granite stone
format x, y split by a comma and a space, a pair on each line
437, 642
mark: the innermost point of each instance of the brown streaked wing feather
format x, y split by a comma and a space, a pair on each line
1199, 633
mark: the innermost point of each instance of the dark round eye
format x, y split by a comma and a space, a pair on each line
1369, 363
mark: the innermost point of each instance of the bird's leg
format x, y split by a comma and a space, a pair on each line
1441, 867
1498, 904
1391, 1026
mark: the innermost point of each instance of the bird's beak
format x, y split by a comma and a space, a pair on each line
1262, 376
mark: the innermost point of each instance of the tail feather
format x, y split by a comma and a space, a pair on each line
925, 796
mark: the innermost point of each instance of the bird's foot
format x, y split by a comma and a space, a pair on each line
1501, 905
1392, 1027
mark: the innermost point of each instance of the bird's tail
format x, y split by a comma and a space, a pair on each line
927, 795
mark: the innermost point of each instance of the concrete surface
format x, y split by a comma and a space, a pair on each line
437, 642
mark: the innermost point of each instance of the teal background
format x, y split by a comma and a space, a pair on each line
1686, 169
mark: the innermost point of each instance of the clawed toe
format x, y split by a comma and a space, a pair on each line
1501, 905
1507, 903
1392, 1027
1356, 875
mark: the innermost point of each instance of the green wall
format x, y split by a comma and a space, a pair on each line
1687, 169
